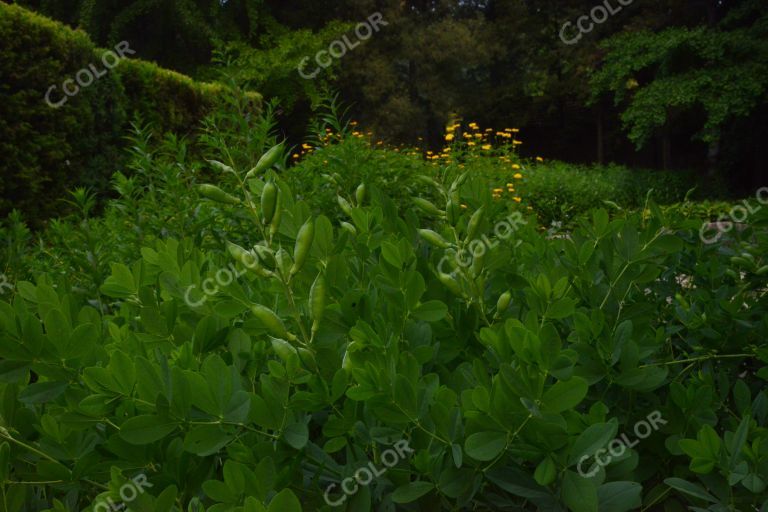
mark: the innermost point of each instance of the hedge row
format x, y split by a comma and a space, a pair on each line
47, 150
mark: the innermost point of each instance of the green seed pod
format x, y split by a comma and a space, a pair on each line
344, 204
283, 261
349, 227
433, 238
474, 224
268, 201
266, 161
271, 321
303, 245
266, 256
317, 301
478, 261
426, 206
459, 181
426, 180
453, 208
450, 283
214, 193
503, 303
360, 194
738, 260
732, 273
245, 257
762, 270
274, 225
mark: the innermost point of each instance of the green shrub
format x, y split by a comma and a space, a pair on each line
256, 376
49, 150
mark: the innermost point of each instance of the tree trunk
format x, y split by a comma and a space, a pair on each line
600, 147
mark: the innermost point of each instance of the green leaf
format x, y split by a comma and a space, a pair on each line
206, 440
296, 435
738, 440
431, 311
284, 501
619, 496
485, 446
565, 395
146, 429
579, 493
412, 491
42, 392
592, 439
545, 472
561, 308
690, 489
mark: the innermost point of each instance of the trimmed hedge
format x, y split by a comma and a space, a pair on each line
46, 150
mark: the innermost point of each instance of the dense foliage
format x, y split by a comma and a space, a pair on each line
238, 349
48, 149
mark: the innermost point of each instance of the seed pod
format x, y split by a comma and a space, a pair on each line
344, 204
274, 225
349, 227
360, 194
271, 321
426, 206
221, 166
453, 208
478, 261
503, 303
246, 258
450, 283
459, 181
266, 255
266, 161
426, 180
214, 193
762, 270
474, 224
738, 260
303, 245
433, 238
317, 301
283, 261
268, 201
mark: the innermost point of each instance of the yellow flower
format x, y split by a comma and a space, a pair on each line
474, 126
517, 176
515, 130
539, 159
510, 184
517, 199
487, 147
498, 190
515, 166
295, 155
470, 143
449, 137
464, 206
516, 142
